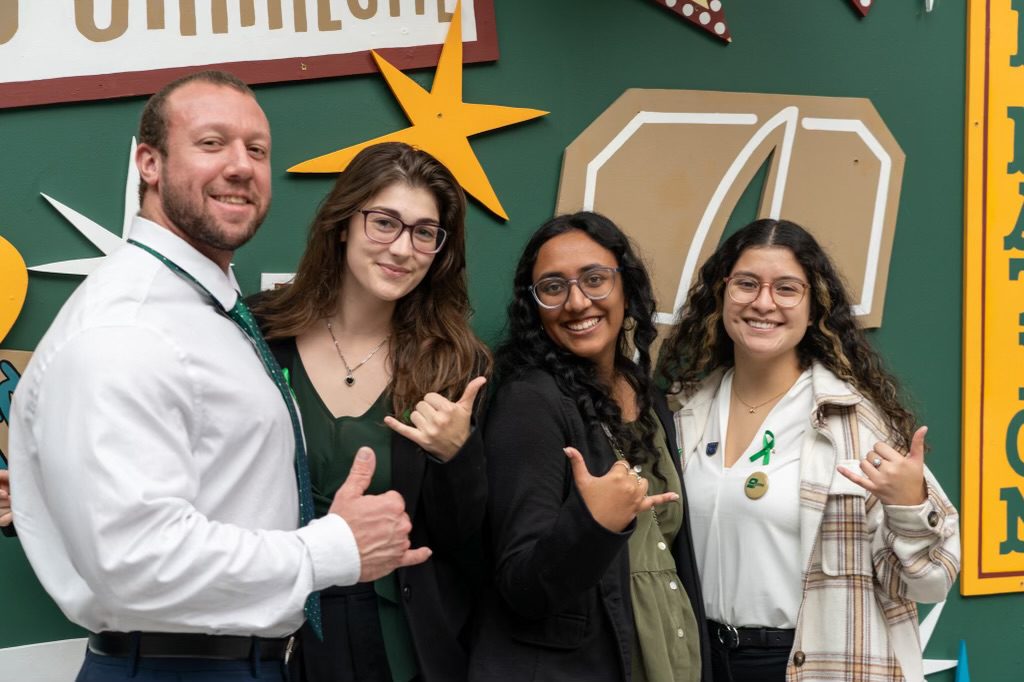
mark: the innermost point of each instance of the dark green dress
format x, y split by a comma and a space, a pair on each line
331, 444
667, 643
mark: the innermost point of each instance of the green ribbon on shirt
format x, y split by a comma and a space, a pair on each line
767, 447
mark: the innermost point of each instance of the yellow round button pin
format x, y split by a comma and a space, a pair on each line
756, 485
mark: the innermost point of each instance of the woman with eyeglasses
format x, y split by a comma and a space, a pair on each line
594, 574
816, 523
374, 335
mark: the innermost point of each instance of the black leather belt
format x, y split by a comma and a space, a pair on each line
189, 645
734, 638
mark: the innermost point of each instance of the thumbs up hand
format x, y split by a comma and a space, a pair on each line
615, 498
440, 426
378, 522
891, 476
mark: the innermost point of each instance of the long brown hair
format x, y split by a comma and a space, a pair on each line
432, 347
698, 343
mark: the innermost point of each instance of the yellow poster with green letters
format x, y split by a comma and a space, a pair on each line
993, 404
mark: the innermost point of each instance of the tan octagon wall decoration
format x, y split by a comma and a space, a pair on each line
669, 166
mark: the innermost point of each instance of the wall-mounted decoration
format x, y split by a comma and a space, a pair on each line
57, 660
75, 50
102, 238
273, 280
926, 628
12, 364
993, 351
706, 14
963, 673
863, 6
13, 288
441, 123
833, 166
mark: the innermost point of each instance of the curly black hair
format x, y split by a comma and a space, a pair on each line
527, 346
698, 343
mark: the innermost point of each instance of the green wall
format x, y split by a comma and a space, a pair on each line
574, 58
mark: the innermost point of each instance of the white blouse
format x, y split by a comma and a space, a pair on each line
748, 549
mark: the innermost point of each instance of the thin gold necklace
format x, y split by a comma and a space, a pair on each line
752, 409
349, 371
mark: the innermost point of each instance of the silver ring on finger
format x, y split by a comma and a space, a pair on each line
877, 462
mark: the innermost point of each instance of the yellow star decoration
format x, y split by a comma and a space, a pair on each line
13, 287
441, 122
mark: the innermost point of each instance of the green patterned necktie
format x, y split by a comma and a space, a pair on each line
242, 316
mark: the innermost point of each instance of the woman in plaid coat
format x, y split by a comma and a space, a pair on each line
816, 524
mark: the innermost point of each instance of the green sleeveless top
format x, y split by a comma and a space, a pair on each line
331, 444
667, 644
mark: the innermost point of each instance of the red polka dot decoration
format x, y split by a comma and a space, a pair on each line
707, 14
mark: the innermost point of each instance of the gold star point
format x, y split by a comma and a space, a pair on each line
441, 122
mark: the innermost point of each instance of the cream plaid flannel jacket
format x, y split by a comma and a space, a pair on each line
865, 564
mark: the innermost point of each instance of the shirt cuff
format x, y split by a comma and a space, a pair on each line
914, 518
333, 550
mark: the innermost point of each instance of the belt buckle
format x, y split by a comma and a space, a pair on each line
289, 649
733, 636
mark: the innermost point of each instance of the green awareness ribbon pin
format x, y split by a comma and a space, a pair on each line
767, 448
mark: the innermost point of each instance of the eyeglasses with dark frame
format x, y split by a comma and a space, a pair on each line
595, 283
786, 292
384, 228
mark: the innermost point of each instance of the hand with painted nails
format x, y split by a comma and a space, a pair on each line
615, 498
439, 425
891, 476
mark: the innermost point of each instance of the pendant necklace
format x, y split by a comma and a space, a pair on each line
752, 409
349, 371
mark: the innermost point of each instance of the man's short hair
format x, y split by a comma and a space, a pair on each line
153, 124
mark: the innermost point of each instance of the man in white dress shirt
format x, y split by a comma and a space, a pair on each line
152, 458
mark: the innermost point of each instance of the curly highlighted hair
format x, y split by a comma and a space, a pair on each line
699, 344
527, 346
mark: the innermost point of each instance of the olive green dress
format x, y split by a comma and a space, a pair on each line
667, 645
331, 444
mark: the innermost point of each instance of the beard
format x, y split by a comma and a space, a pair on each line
198, 224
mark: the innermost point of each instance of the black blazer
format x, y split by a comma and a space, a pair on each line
447, 503
562, 608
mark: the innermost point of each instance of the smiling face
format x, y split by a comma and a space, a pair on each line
212, 187
761, 330
586, 328
388, 272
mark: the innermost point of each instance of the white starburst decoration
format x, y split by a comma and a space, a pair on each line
933, 665
102, 238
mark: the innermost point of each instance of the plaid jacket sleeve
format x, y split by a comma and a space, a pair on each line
915, 550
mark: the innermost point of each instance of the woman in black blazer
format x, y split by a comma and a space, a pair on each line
374, 337
595, 579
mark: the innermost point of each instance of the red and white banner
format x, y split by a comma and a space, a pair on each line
96, 49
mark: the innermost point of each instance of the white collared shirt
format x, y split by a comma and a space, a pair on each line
152, 460
735, 536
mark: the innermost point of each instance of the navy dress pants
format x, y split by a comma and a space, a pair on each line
98, 668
